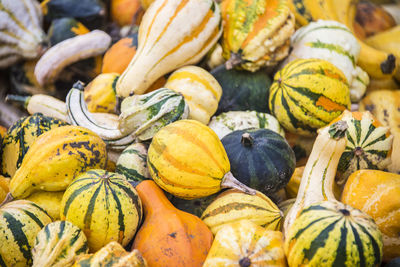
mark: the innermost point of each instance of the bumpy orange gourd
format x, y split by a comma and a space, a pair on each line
168, 236
377, 193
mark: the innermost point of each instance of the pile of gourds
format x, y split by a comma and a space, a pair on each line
200, 133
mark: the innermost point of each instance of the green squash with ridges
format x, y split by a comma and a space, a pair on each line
132, 163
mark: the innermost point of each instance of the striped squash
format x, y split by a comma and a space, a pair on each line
100, 94
245, 244
58, 244
20, 136
200, 89
144, 115
132, 163
104, 205
20, 221
49, 201
257, 33
173, 33
233, 205
186, 159
307, 94
230, 121
368, 145
333, 234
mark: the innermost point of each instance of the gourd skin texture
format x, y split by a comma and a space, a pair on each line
132, 163
168, 236
49, 201
100, 94
104, 205
377, 193
20, 221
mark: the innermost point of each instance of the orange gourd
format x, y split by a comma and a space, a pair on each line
123, 11
168, 236
118, 56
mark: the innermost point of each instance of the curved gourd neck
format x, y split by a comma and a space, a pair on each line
152, 197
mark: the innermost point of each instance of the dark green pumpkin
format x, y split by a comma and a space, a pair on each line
242, 90
193, 206
64, 28
260, 158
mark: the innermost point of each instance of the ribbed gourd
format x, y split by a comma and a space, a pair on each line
49, 201
56, 158
232, 206
256, 34
230, 121
333, 234
20, 137
200, 89
22, 36
307, 94
20, 221
104, 205
58, 244
245, 243
173, 33
132, 163
100, 94
144, 115
197, 167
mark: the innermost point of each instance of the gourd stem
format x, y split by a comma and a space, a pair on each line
247, 140
22, 99
8, 198
229, 181
233, 61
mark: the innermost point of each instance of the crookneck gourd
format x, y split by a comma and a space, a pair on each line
256, 34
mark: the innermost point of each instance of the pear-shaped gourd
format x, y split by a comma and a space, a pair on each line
172, 34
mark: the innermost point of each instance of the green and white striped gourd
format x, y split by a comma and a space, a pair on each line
334, 42
58, 244
230, 121
333, 234
132, 163
21, 34
144, 115
20, 221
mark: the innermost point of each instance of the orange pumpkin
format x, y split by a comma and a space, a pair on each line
118, 56
168, 236
377, 193
124, 11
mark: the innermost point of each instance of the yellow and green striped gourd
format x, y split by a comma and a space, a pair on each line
133, 163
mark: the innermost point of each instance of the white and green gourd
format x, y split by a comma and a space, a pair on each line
132, 163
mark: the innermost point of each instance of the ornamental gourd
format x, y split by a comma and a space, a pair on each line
104, 205
197, 167
58, 244
100, 94
377, 193
172, 33
233, 205
4, 187
65, 28
168, 236
256, 34
49, 201
20, 221
245, 243
307, 94
200, 89
333, 234
132, 163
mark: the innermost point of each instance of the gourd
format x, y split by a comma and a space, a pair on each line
21, 35
232, 206
118, 56
256, 35
49, 201
301, 145
245, 243
123, 11
4, 187
58, 244
100, 95
112, 255
319, 173
368, 145
20, 137
377, 194
20, 221
64, 28
300, 102
334, 42
171, 34
198, 167
193, 206
242, 90
333, 234
104, 205
144, 115
132, 163
260, 159
393, 263
200, 90
230, 121
384, 105
184, 237
286, 205
56, 158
